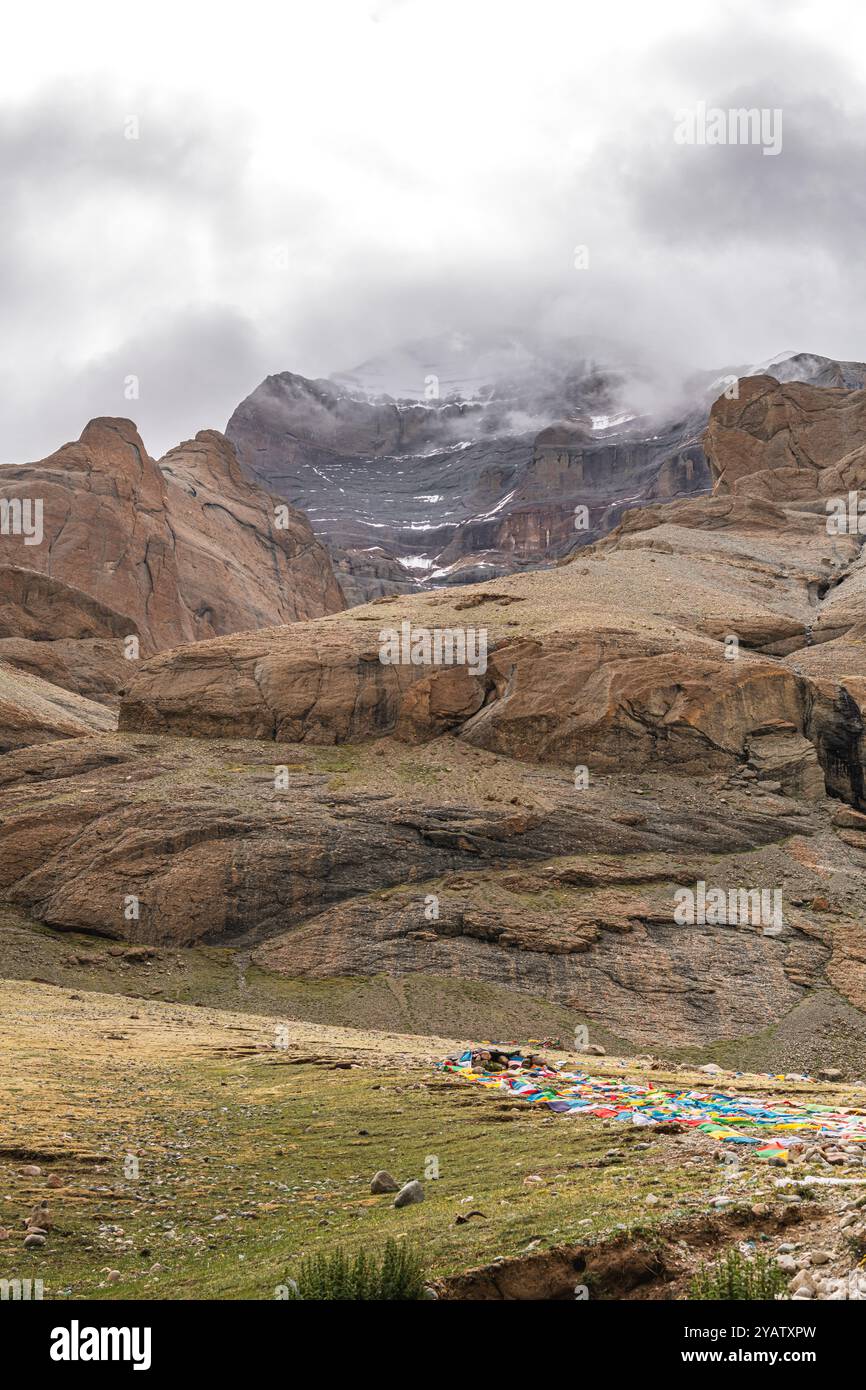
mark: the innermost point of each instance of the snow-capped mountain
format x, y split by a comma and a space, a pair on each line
459, 458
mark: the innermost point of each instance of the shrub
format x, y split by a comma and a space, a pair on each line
398, 1275
735, 1279
856, 1243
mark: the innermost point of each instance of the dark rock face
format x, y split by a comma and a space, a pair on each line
818, 371
369, 574
456, 490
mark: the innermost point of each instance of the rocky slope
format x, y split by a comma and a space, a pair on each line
34, 711
618, 658
550, 891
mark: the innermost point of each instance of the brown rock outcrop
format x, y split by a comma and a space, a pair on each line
589, 688
34, 711
645, 975
787, 442
184, 553
706, 663
237, 569
61, 634
105, 528
94, 667
42, 608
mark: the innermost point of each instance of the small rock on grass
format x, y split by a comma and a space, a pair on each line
409, 1193
383, 1182
40, 1217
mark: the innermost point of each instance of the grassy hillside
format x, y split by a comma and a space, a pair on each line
250, 1156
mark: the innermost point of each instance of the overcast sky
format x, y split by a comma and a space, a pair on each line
314, 182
